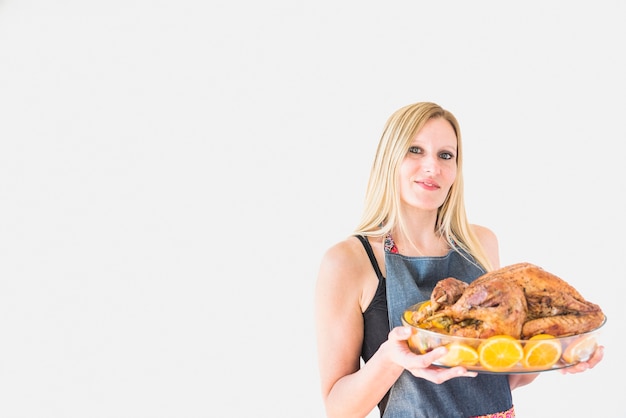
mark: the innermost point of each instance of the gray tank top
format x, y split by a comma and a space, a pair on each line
410, 280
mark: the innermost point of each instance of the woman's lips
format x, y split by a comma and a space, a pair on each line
428, 184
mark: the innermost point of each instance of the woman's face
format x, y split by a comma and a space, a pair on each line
429, 167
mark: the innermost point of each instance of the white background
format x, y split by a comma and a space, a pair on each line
171, 173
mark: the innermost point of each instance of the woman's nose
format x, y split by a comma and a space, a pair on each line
429, 165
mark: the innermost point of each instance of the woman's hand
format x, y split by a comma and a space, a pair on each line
421, 365
585, 365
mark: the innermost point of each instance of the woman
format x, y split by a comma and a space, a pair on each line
413, 233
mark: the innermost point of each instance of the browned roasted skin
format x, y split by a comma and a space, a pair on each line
491, 307
447, 292
562, 325
549, 296
520, 300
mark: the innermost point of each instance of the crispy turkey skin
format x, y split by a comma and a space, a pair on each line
520, 300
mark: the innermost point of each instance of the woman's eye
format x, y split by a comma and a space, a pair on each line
415, 150
446, 155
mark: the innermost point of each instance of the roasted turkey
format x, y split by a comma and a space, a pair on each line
520, 300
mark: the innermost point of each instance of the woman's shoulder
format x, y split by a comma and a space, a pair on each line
344, 254
346, 279
347, 260
483, 233
489, 241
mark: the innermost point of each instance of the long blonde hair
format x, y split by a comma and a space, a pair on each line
382, 213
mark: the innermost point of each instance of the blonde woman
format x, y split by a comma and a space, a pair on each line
413, 233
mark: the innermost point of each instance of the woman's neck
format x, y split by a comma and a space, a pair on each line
420, 241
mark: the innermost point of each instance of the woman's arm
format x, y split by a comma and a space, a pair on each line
349, 390
519, 380
346, 390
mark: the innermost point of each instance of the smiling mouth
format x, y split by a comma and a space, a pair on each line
429, 184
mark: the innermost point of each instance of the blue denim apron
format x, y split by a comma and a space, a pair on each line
410, 280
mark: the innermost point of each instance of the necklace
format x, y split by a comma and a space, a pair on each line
391, 247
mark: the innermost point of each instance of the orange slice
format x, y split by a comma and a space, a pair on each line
425, 306
408, 317
419, 344
542, 351
500, 353
580, 349
459, 354
416, 318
